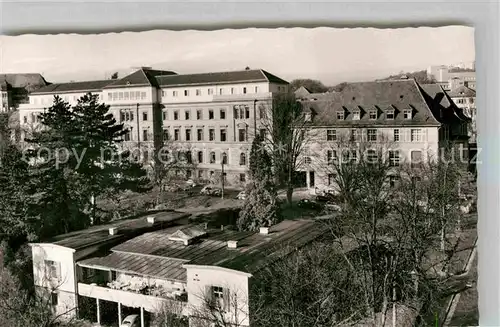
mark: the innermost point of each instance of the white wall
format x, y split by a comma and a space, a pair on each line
199, 278
168, 97
65, 284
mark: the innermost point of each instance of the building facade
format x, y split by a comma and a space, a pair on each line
211, 118
15, 89
452, 77
408, 120
108, 272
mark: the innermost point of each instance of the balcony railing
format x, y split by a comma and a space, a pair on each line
129, 298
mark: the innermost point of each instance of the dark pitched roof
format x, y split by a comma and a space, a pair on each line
462, 91
253, 252
23, 80
256, 75
141, 77
164, 268
127, 228
381, 96
442, 107
73, 87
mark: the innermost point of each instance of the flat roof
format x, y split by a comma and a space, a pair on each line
127, 228
254, 250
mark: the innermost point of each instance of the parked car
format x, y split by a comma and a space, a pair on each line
308, 204
131, 321
242, 195
211, 190
172, 188
190, 183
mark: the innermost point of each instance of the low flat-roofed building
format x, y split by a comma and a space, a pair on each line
187, 267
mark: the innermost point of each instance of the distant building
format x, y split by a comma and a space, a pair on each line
145, 265
15, 89
212, 117
465, 98
412, 120
452, 77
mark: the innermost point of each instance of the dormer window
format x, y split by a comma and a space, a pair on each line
407, 114
389, 114
340, 115
373, 114
356, 115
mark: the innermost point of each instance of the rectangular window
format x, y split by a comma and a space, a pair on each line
210, 114
396, 135
164, 115
199, 134
110, 96
416, 158
220, 91
372, 135
53, 298
416, 135
186, 93
211, 134
212, 160
394, 158
340, 115
126, 95
199, 114
236, 112
223, 135
356, 115
210, 91
200, 174
175, 93
188, 135
354, 135
393, 180
144, 116
331, 156
144, 134
132, 95
176, 115
198, 92
222, 114
243, 178
25, 118
52, 270
256, 89
262, 112
389, 114
244, 90
165, 135
176, 134
120, 96
186, 115
373, 115
247, 112
127, 136
143, 95
162, 93
331, 135
242, 135
115, 96
232, 90
407, 114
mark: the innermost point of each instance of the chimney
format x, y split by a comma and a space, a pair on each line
264, 230
113, 231
151, 220
232, 244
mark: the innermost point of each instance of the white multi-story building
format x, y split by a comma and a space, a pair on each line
107, 272
465, 98
409, 119
212, 116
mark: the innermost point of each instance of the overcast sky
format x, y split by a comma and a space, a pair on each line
331, 55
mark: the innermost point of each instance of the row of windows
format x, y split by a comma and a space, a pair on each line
374, 114
187, 156
394, 157
372, 135
65, 98
239, 112
209, 91
200, 135
126, 95
463, 100
211, 174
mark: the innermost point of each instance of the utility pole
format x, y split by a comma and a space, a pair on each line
222, 179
